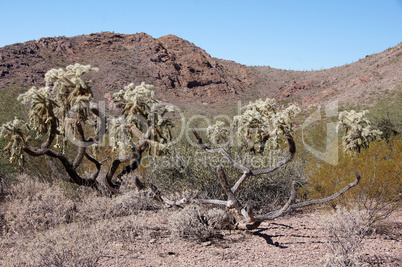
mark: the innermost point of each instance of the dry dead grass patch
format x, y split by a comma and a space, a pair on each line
46, 224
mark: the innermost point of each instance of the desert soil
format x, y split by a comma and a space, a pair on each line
293, 240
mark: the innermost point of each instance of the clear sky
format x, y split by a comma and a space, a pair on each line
286, 34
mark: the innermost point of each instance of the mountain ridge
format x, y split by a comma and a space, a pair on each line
185, 73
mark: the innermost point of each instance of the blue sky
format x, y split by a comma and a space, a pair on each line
298, 35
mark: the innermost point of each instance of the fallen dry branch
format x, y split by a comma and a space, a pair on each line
250, 221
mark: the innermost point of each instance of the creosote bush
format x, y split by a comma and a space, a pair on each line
387, 113
379, 192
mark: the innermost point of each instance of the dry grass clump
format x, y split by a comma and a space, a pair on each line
76, 244
68, 245
94, 207
35, 206
345, 231
132, 202
199, 223
51, 225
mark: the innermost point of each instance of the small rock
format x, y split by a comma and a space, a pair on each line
206, 244
152, 241
216, 253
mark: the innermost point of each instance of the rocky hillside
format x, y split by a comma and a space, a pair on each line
361, 82
184, 73
177, 68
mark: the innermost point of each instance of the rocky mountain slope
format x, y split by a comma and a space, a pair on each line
361, 82
177, 68
184, 73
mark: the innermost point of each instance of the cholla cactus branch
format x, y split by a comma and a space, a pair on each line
15, 132
219, 134
358, 132
143, 117
262, 123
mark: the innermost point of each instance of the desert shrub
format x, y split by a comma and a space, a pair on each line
199, 223
59, 225
386, 115
345, 231
131, 203
186, 169
380, 186
75, 244
268, 192
66, 247
93, 207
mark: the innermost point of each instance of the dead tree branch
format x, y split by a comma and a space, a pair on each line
249, 220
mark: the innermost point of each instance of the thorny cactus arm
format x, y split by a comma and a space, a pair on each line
15, 132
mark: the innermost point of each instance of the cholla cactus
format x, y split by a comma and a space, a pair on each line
14, 131
358, 132
219, 134
143, 116
261, 123
42, 109
61, 112
65, 99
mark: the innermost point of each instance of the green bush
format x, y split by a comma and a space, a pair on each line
386, 116
380, 187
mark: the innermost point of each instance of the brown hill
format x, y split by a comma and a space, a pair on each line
362, 82
184, 73
176, 67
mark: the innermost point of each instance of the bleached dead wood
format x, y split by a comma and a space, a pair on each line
250, 221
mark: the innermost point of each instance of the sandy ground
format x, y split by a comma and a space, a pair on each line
293, 240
